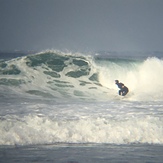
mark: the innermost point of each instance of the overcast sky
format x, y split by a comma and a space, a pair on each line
81, 25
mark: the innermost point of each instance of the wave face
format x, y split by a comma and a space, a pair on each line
54, 74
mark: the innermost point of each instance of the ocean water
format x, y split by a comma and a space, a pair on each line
64, 107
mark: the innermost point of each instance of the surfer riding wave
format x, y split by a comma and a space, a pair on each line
123, 89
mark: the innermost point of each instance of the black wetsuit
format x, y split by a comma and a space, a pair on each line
123, 89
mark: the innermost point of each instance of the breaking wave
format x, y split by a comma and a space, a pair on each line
55, 74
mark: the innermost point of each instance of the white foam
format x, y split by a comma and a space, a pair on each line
83, 123
143, 79
42, 130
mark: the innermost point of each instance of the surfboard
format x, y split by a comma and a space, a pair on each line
119, 97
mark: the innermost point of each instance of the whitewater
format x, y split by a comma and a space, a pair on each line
53, 101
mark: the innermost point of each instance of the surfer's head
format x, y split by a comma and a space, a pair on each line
116, 81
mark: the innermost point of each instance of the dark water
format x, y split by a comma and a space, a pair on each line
81, 153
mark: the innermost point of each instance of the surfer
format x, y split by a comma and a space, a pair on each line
123, 89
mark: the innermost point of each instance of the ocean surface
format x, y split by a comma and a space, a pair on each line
64, 107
